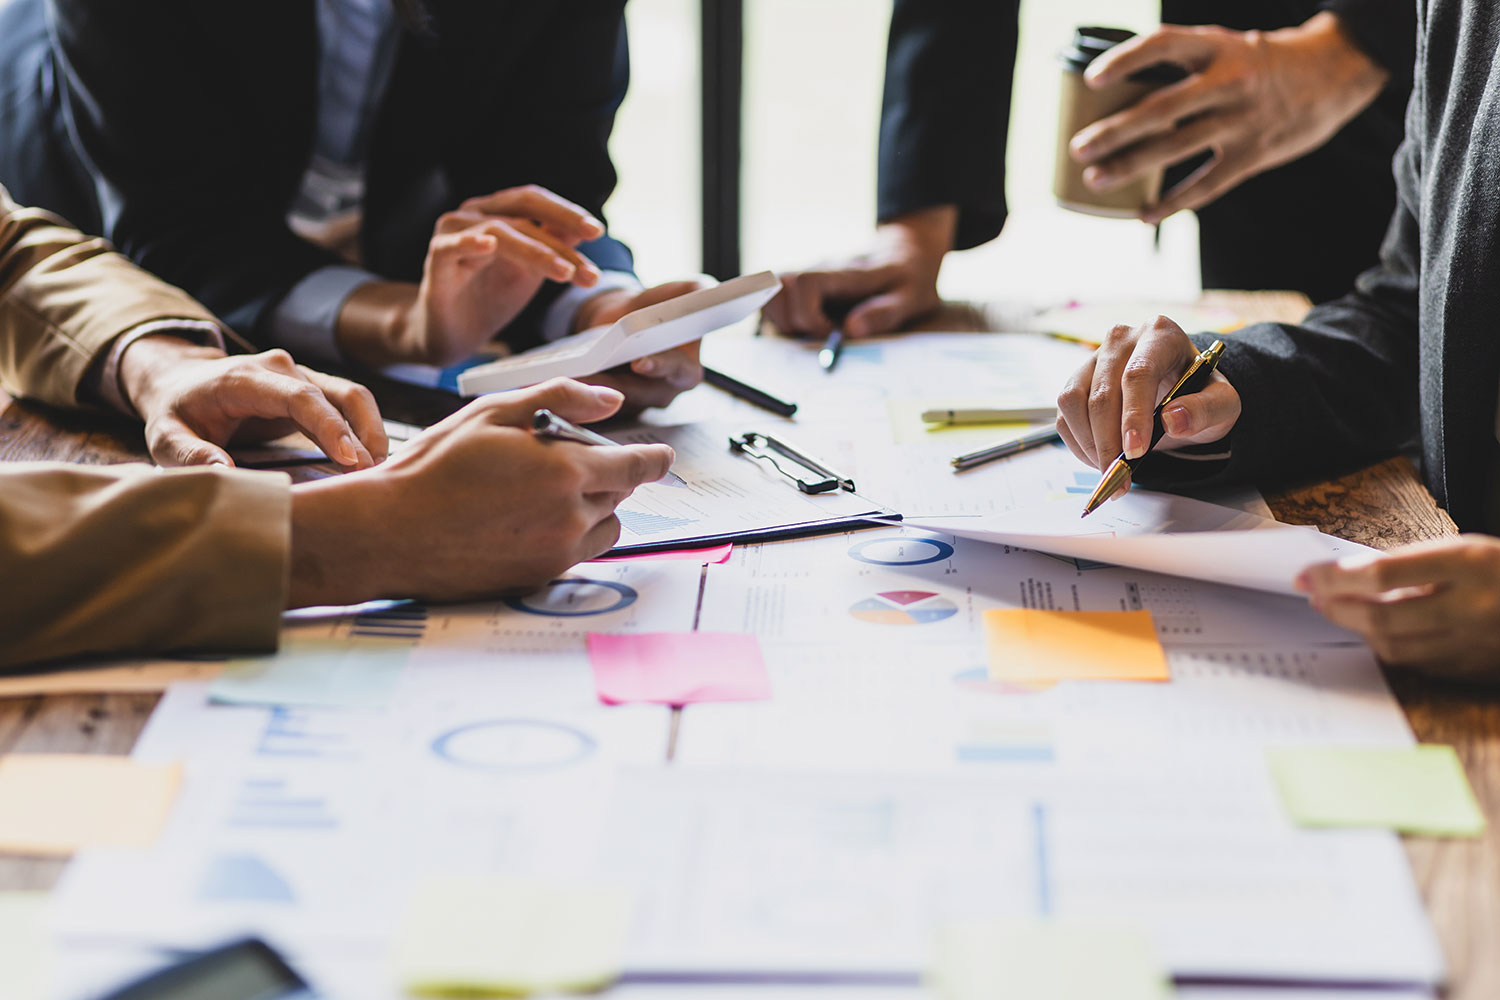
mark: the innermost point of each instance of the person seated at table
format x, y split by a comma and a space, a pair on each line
1407, 361
1301, 105
121, 559
352, 180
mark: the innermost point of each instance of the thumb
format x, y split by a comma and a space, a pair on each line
173, 443
881, 314
1203, 416
566, 397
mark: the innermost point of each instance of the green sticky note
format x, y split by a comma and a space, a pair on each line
494, 936
1420, 789
1045, 960
26, 952
322, 673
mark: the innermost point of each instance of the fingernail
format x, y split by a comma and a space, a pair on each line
605, 394
645, 366
1096, 178
594, 224
1176, 420
1133, 449
348, 454
1303, 583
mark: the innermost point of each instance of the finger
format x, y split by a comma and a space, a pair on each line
600, 538
566, 397
1156, 113
1204, 416
1105, 399
359, 408
1205, 185
1072, 409
805, 306
173, 443
1156, 153
678, 369
620, 470
1066, 433
881, 314
1417, 615
542, 253
1370, 576
638, 391
1187, 47
1162, 352
565, 218
303, 403
666, 291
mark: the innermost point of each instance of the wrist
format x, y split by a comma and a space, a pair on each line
380, 324
338, 556
1328, 44
928, 232
146, 360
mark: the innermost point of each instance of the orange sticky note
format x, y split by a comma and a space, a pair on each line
57, 803
1028, 646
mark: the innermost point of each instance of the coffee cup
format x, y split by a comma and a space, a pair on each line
1083, 105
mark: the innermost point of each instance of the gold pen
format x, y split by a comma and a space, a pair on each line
1195, 379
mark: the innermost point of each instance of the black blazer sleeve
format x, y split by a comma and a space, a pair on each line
1336, 392
948, 74
185, 187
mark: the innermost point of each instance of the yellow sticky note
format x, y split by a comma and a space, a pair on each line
494, 936
27, 955
1045, 960
1420, 789
55, 804
1029, 646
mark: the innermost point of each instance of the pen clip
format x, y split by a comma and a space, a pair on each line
1208, 356
764, 448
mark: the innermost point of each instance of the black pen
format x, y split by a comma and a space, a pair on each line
1195, 379
828, 356
748, 393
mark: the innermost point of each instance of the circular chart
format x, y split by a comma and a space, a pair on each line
904, 607
514, 746
901, 551
575, 597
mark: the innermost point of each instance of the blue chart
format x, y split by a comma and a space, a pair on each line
575, 597
406, 622
267, 803
639, 522
294, 732
901, 551
904, 607
515, 746
1083, 483
243, 878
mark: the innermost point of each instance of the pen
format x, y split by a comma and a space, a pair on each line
1020, 415
1195, 379
828, 357
1025, 442
545, 423
748, 393
1073, 338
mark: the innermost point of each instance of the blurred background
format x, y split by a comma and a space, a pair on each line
813, 75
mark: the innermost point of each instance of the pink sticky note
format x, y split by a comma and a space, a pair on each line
713, 556
678, 668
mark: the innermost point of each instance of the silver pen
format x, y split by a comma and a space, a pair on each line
546, 424
1025, 442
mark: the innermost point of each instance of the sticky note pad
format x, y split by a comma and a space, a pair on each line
1045, 960
1029, 646
488, 935
322, 673
678, 668
55, 804
27, 955
1420, 789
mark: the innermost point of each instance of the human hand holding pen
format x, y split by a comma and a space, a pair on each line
1107, 407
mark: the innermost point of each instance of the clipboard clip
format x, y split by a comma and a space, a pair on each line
810, 475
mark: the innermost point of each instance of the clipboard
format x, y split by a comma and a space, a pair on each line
749, 487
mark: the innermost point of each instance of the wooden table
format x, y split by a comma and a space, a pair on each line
1383, 506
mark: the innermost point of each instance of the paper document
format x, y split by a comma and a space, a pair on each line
1419, 789
58, 803
1046, 960
1163, 533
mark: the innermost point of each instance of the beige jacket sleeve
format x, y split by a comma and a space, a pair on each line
64, 299
131, 559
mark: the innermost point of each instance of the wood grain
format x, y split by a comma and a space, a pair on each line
1382, 506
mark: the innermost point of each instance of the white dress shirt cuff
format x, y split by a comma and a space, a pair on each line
305, 321
560, 315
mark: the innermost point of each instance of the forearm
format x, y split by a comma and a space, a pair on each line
374, 326
336, 556
130, 560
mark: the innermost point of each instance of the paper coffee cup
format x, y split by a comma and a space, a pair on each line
1082, 106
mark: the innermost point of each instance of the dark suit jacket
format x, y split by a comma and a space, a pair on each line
181, 129
1410, 359
947, 108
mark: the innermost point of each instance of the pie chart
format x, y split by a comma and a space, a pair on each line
904, 607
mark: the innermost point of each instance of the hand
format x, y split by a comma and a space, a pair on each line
1107, 406
1433, 604
484, 264
890, 286
1255, 99
656, 379
195, 402
474, 507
